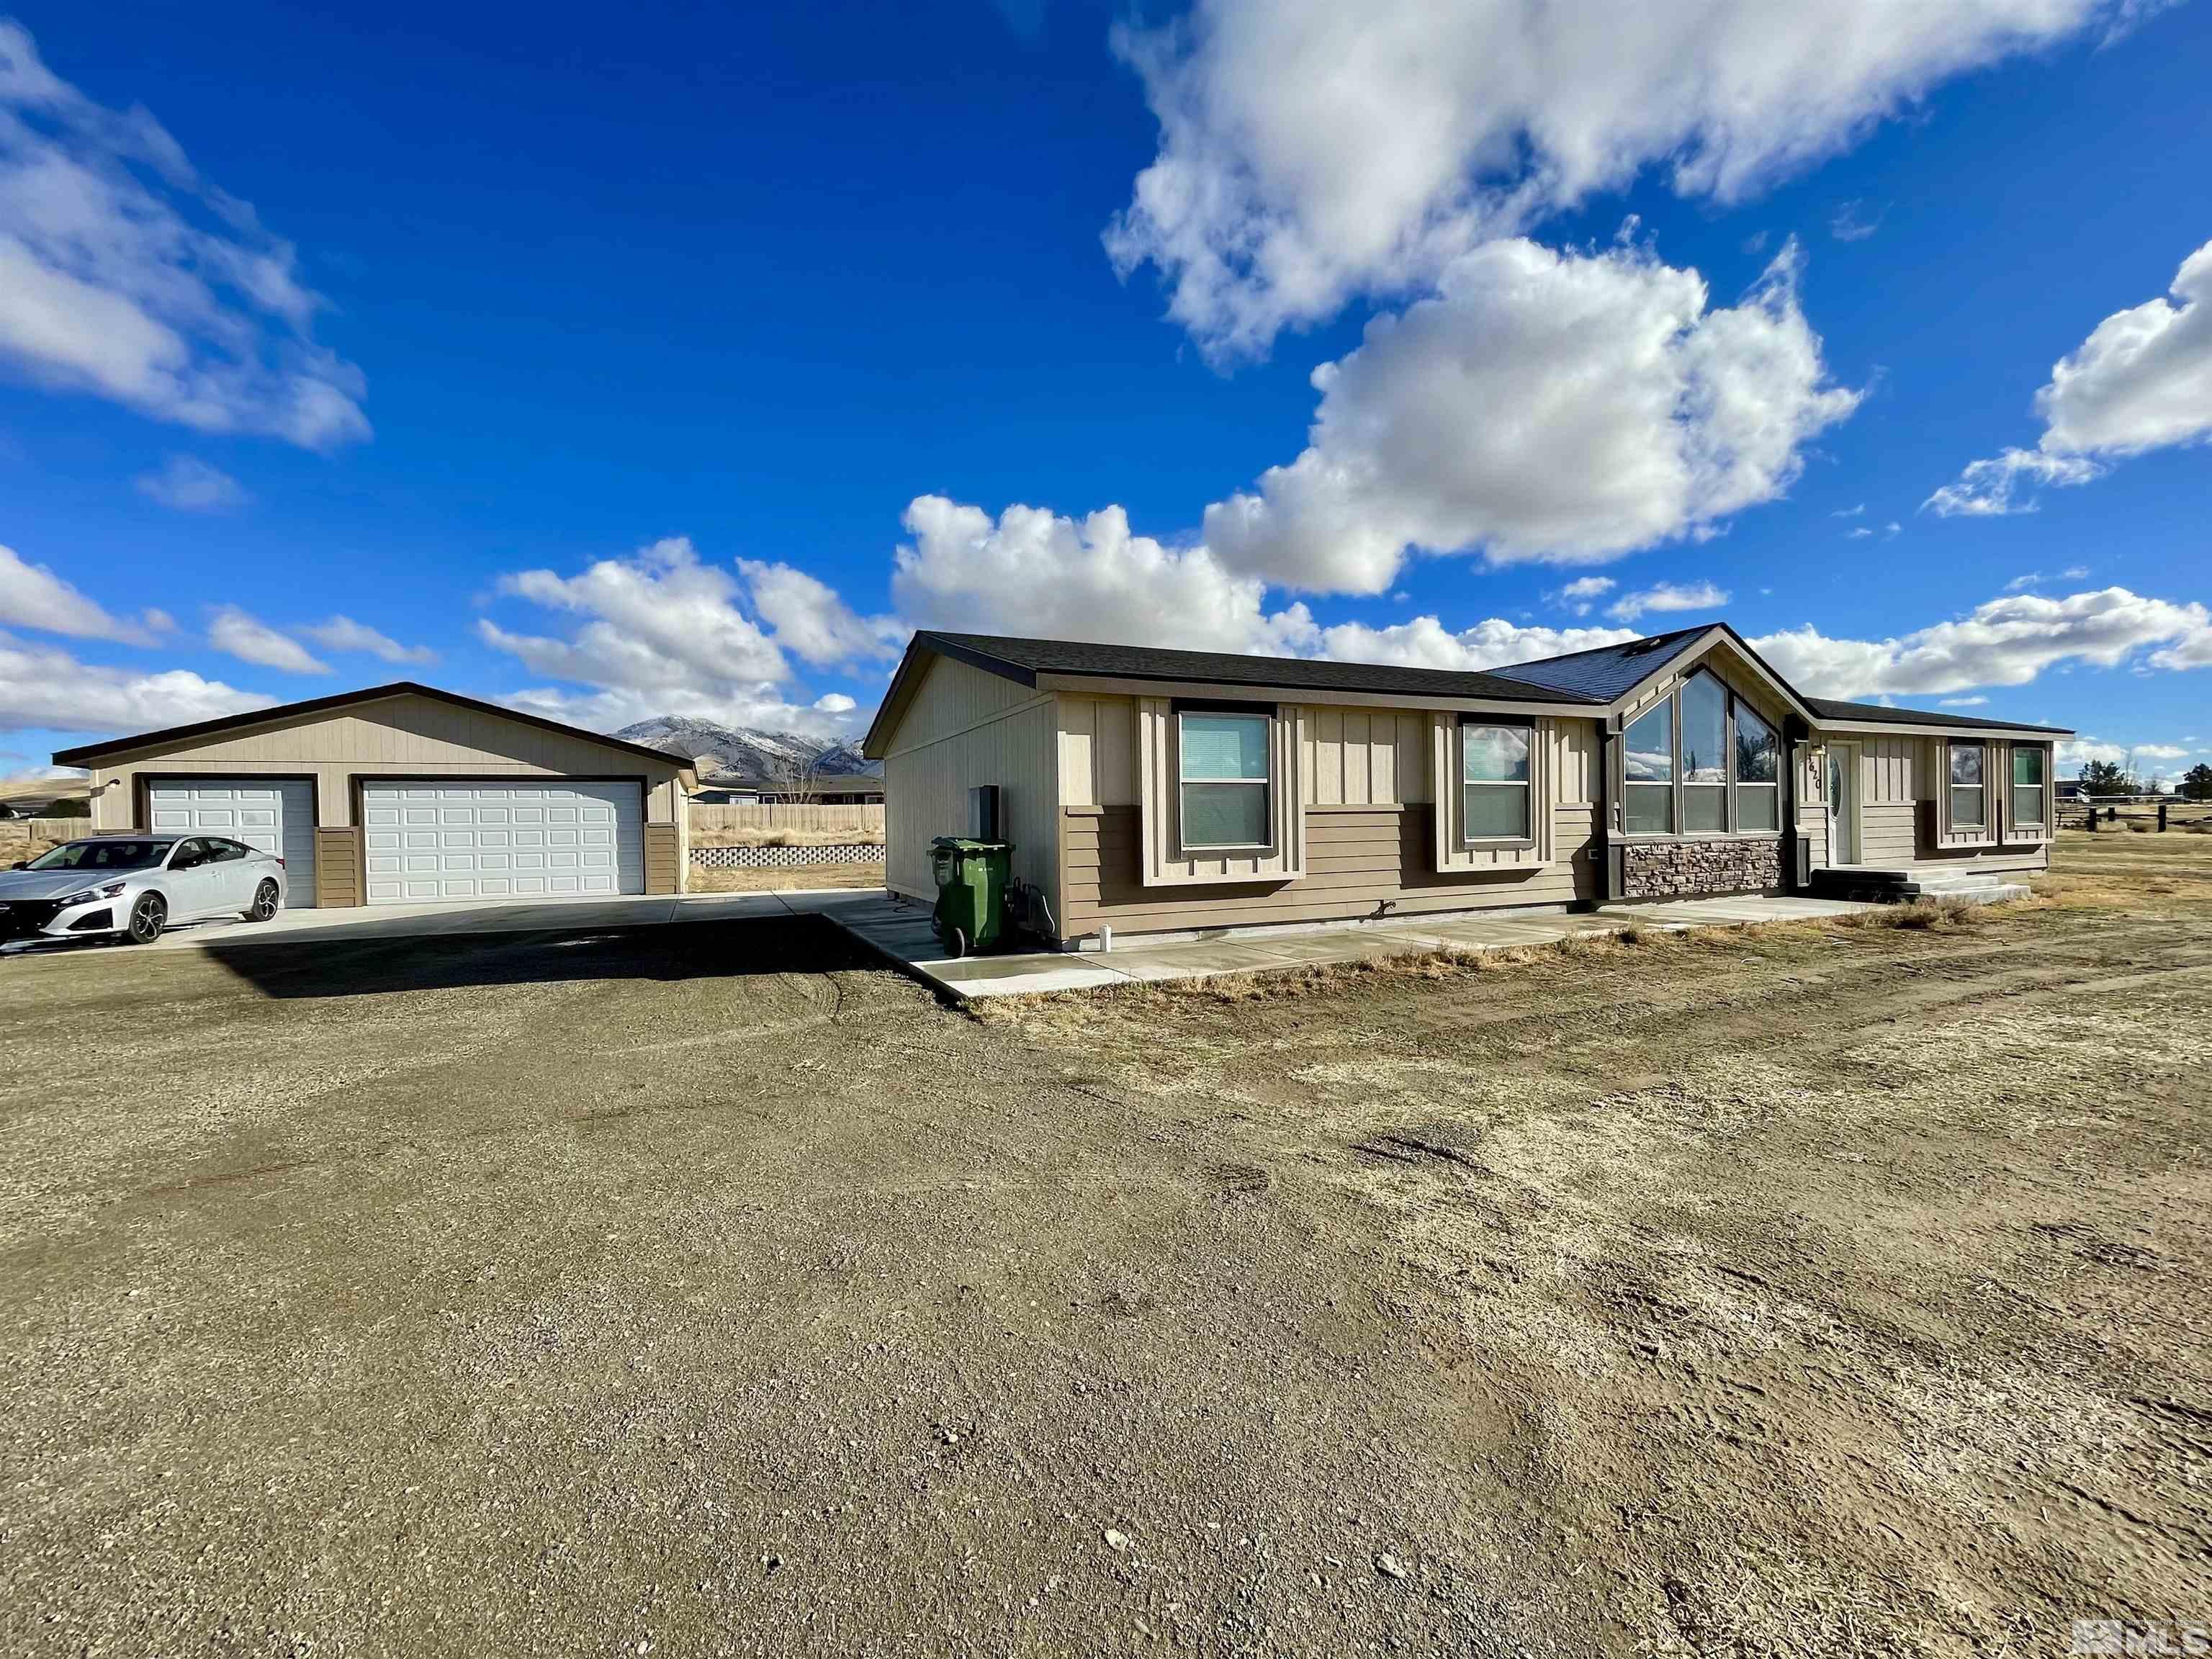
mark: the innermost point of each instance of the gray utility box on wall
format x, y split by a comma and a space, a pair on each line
983, 812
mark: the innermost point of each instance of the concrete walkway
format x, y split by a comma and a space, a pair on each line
899, 929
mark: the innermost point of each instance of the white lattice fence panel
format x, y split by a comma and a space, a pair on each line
784, 858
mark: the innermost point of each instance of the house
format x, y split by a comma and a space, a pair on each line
855, 789
1151, 790
403, 793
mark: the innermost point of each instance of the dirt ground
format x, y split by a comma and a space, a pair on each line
703, 1290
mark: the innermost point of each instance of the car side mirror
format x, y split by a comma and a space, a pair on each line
19, 864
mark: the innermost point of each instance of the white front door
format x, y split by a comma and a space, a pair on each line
1843, 803
474, 840
276, 817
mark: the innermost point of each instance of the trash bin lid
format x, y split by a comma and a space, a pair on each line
968, 844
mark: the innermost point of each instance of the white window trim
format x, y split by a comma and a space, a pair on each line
1526, 838
2038, 828
1731, 820
1267, 785
1982, 830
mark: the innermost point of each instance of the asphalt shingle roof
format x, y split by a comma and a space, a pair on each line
1609, 670
1578, 679
1881, 713
1143, 662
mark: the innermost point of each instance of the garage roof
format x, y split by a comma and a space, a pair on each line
92, 754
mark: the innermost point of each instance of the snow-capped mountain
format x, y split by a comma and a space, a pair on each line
744, 753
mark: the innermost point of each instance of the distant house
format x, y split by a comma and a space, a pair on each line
1151, 790
859, 789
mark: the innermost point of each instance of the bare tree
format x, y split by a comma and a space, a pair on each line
795, 777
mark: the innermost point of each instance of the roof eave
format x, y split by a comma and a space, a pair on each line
92, 754
1907, 725
1676, 662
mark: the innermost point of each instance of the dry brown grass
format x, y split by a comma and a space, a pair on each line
788, 879
2103, 870
748, 837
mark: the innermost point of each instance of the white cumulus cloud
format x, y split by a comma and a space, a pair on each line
810, 619
42, 687
126, 276
32, 596
1309, 151
1425, 642
2007, 642
663, 632
345, 634
237, 634
1666, 598
1032, 572
2142, 381
2008, 484
1639, 414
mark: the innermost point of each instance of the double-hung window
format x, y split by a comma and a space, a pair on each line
1969, 801
2027, 787
1222, 757
1648, 751
1494, 782
1758, 772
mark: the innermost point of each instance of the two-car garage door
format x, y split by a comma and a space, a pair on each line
483, 840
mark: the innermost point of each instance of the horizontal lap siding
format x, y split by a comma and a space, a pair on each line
663, 859
966, 728
337, 867
1887, 832
1356, 859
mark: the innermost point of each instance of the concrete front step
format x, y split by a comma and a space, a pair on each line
1903, 885
1905, 892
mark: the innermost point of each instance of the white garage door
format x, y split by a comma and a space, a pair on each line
276, 817
502, 841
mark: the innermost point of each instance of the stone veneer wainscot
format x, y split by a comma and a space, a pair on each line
1673, 869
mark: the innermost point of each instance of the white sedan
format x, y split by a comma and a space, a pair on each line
132, 887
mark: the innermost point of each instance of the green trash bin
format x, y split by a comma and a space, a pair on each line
971, 892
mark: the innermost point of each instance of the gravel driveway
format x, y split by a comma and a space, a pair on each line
703, 1290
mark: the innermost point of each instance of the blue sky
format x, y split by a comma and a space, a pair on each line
684, 364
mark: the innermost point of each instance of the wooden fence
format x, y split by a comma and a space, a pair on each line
2128, 812
865, 818
26, 838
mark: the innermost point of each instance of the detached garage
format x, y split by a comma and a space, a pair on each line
404, 794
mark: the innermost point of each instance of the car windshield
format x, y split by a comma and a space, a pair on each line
103, 855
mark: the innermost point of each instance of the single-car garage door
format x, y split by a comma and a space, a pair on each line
277, 817
501, 841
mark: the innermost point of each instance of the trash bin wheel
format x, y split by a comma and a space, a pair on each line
956, 946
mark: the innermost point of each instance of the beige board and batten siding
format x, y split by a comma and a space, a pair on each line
1890, 770
403, 736
1809, 773
1904, 810
1370, 837
965, 726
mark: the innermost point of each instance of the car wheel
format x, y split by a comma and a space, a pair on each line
148, 917
265, 903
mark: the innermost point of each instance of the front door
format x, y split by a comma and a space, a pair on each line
1843, 803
